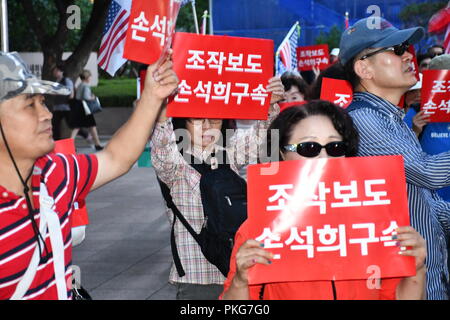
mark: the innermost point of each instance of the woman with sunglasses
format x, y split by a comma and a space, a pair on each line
179, 143
318, 129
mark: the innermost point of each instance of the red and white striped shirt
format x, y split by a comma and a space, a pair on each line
68, 179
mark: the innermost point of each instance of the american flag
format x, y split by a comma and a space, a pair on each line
110, 56
286, 56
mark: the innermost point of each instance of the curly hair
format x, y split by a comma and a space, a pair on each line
289, 118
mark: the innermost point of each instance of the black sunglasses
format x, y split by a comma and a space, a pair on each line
312, 149
399, 50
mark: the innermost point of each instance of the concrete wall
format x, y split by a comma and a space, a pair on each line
35, 60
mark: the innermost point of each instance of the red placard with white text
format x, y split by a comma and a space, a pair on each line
310, 56
80, 215
328, 219
435, 95
339, 92
221, 77
148, 27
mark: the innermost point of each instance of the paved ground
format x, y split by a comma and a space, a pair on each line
126, 253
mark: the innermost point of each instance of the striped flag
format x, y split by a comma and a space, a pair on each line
286, 55
110, 56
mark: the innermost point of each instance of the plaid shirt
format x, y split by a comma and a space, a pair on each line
183, 181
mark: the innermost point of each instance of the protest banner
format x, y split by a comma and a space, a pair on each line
435, 95
339, 92
150, 30
329, 219
313, 56
79, 215
221, 77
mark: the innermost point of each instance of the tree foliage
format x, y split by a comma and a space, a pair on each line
418, 14
332, 38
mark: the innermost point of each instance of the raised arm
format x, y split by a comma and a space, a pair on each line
127, 144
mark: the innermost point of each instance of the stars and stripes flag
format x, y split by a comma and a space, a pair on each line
110, 55
286, 55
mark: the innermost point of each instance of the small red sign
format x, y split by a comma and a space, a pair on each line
310, 56
435, 95
339, 92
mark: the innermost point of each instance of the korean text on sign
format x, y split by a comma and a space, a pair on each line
313, 56
330, 218
221, 77
435, 97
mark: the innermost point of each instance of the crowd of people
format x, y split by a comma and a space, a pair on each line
378, 66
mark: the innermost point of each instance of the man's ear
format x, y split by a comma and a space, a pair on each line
363, 70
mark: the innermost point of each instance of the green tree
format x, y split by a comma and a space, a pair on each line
185, 21
42, 25
332, 38
418, 14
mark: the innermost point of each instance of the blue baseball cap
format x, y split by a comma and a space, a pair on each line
374, 33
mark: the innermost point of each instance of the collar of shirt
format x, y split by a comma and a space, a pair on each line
384, 106
204, 154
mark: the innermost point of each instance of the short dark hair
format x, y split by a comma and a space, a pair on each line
289, 118
227, 124
290, 79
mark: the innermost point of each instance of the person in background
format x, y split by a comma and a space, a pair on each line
61, 108
436, 50
380, 70
294, 86
423, 61
334, 55
79, 119
323, 123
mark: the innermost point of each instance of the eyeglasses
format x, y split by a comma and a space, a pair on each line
199, 122
399, 50
312, 149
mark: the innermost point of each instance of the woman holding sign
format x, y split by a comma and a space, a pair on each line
319, 129
183, 151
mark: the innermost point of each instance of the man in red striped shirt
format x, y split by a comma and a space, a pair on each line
38, 189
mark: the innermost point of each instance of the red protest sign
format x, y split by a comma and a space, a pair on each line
221, 77
328, 219
79, 215
148, 28
435, 95
310, 56
339, 92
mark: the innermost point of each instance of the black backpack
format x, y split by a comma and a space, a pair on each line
224, 200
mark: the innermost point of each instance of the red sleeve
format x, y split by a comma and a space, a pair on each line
239, 239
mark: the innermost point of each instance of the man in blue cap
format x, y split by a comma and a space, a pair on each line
380, 69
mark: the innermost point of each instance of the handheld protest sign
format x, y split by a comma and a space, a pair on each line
337, 91
221, 77
150, 30
435, 95
79, 215
328, 219
313, 56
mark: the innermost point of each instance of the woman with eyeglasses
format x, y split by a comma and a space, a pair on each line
176, 146
318, 129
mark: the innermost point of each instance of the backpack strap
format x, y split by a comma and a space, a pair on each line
176, 214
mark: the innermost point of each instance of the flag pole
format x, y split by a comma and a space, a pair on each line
205, 16
211, 26
194, 11
4, 26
